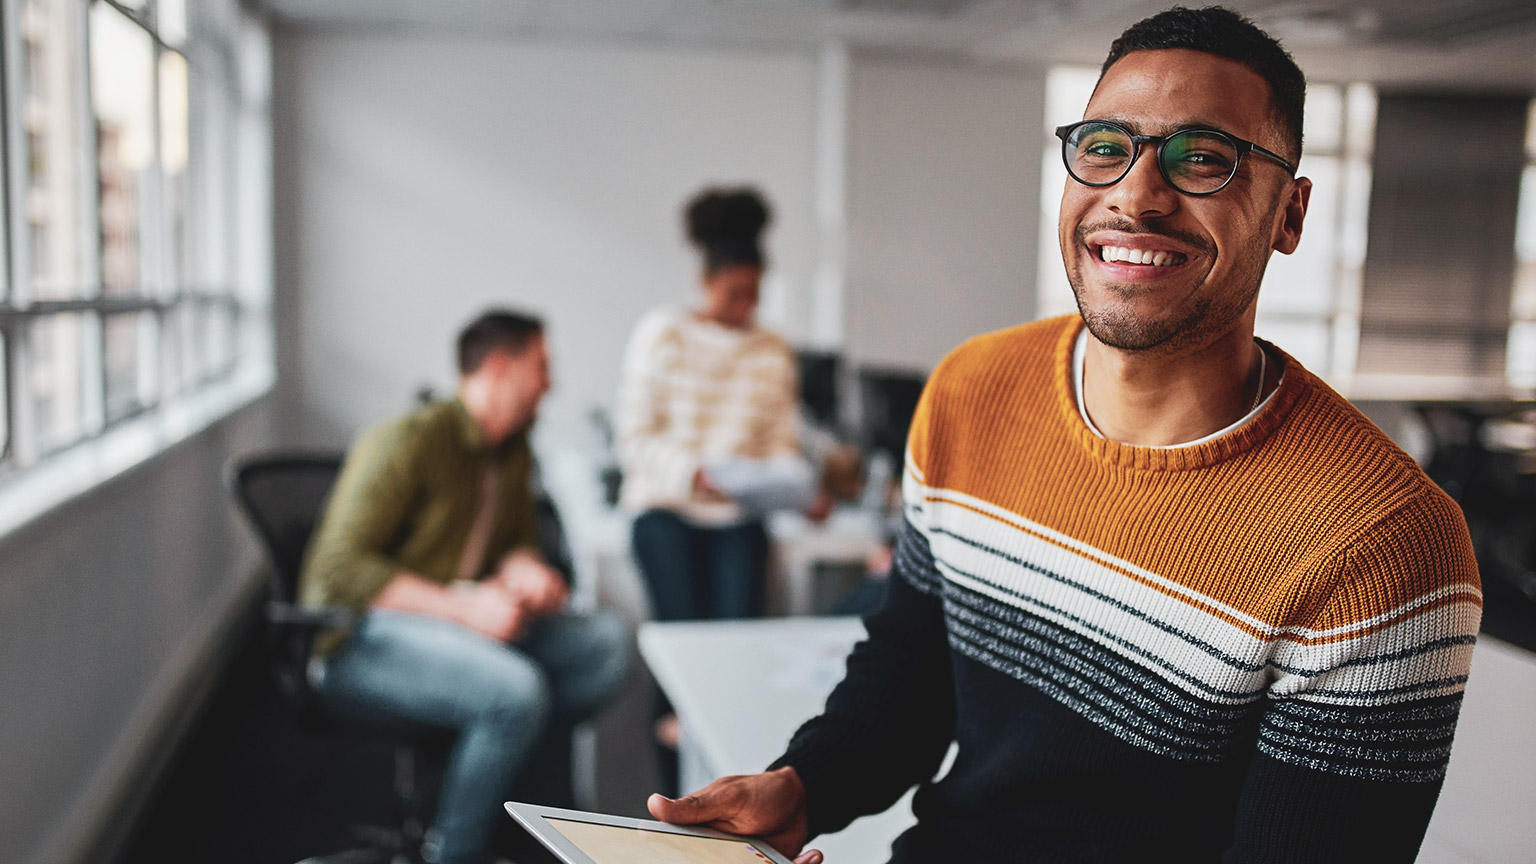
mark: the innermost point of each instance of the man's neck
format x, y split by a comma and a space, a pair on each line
1161, 400
474, 401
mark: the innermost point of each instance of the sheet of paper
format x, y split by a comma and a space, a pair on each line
811, 664
765, 485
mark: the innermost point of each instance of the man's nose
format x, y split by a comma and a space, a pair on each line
1143, 192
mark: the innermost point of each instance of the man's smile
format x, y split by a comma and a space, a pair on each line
1127, 255
1138, 256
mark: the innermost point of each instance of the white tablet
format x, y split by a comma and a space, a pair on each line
594, 838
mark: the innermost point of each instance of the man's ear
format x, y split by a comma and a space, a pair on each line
1292, 214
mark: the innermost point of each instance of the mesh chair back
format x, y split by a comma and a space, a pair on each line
284, 495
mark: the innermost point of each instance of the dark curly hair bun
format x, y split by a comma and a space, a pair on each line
727, 226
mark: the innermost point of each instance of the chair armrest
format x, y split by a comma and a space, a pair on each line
291, 634
305, 617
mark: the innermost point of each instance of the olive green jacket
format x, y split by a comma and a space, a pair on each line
405, 500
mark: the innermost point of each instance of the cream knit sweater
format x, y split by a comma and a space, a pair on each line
692, 392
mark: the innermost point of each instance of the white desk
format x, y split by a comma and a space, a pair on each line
741, 688
848, 536
1483, 816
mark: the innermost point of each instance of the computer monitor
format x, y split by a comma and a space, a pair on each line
887, 401
819, 374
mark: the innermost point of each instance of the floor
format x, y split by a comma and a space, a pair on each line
253, 787
250, 788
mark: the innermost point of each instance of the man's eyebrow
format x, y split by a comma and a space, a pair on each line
1136, 128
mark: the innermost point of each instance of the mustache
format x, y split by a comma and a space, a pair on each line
1193, 241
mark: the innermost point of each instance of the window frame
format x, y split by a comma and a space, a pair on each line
193, 387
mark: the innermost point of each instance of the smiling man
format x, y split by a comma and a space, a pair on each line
1172, 597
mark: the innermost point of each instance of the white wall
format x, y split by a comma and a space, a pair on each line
111, 611
944, 171
422, 179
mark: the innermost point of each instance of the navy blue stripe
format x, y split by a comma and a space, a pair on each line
1007, 622
1209, 649
1357, 754
1120, 715
912, 559
1213, 651
1390, 657
1401, 690
1002, 615
1085, 709
1153, 659
1365, 733
1431, 709
1125, 699
1360, 771
1364, 742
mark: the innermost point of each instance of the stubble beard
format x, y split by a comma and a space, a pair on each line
1116, 323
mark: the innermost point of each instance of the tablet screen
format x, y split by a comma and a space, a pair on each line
608, 844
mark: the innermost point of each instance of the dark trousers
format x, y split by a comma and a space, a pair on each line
693, 573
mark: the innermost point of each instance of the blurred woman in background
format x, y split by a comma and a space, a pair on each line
704, 385
699, 386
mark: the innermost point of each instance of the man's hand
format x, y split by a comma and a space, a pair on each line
488, 610
769, 805
532, 584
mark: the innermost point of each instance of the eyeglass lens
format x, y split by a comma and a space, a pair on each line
1194, 161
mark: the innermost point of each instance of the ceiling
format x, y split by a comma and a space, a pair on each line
1442, 44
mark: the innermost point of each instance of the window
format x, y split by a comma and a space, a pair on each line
5, 388
129, 312
1311, 300
1520, 359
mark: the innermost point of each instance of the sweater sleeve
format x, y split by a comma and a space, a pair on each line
887, 726
1356, 733
648, 455
782, 407
348, 563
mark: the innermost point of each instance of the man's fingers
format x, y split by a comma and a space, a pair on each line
719, 801
809, 856
687, 810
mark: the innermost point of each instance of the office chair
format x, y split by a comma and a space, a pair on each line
283, 496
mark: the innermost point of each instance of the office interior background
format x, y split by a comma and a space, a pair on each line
233, 227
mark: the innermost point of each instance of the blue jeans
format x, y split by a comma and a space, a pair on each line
498, 698
697, 572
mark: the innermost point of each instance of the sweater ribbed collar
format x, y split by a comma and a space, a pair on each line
1293, 383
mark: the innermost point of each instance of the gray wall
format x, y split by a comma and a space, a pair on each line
110, 609
944, 169
419, 179
422, 179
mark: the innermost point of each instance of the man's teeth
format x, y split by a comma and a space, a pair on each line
1140, 256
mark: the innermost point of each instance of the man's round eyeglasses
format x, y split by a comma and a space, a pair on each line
1193, 161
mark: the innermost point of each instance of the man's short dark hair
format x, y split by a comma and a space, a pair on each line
496, 328
1224, 33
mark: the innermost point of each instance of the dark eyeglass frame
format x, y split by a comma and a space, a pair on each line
1240, 146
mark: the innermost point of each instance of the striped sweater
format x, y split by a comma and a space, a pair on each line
692, 392
1252, 649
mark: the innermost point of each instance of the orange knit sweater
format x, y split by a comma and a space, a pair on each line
1249, 649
